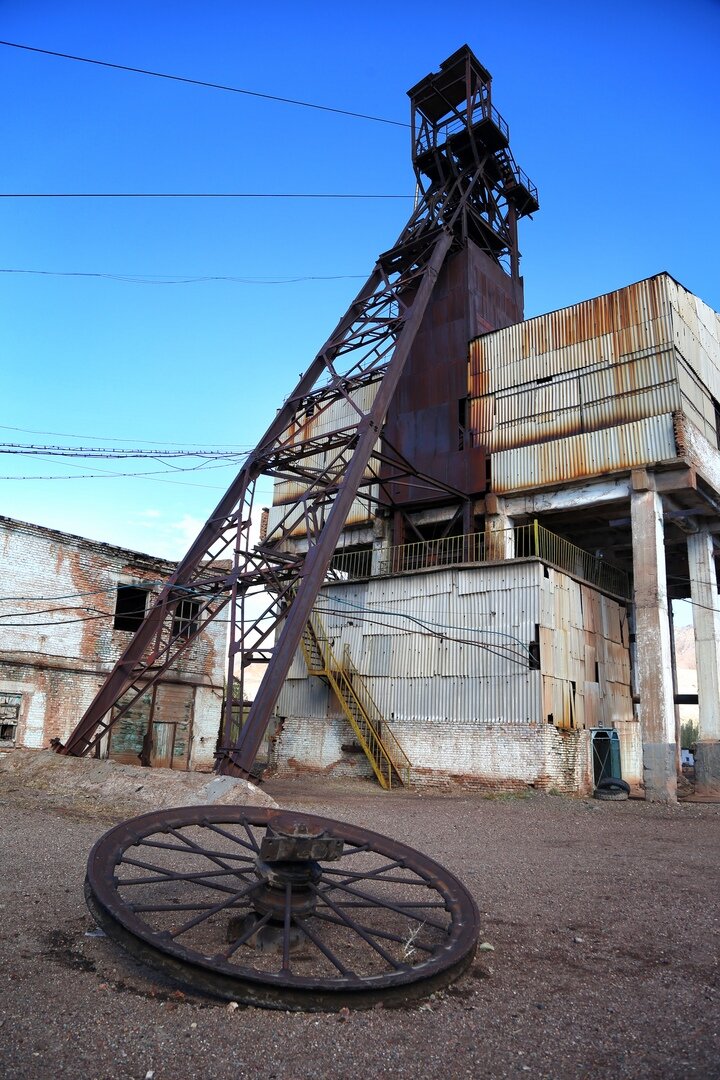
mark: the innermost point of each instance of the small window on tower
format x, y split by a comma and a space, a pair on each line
130, 607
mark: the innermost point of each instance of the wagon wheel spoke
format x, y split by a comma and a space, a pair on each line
312, 913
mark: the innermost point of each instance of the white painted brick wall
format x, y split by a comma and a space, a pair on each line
58, 667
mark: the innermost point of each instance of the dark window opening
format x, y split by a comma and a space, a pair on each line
545, 379
185, 619
716, 407
597, 672
534, 651
438, 530
9, 715
130, 607
462, 423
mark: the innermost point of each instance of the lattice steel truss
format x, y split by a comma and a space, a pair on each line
467, 190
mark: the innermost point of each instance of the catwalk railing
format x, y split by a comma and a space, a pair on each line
530, 541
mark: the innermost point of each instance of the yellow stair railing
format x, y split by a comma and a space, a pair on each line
387, 758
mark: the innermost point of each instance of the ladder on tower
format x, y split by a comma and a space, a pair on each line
389, 761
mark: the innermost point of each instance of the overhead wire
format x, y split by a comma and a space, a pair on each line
204, 83
164, 279
109, 474
36, 450
192, 195
74, 435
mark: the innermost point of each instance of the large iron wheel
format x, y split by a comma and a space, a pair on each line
281, 909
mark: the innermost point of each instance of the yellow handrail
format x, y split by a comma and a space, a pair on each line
340, 678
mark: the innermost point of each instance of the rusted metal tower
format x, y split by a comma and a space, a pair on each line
471, 193
292, 910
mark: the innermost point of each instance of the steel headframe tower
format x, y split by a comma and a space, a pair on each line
469, 189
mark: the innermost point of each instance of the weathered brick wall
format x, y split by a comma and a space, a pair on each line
485, 757
58, 642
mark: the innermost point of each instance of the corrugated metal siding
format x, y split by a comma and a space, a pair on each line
641, 352
596, 453
400, 633
696, 332
303, 697
418, 678
636, 317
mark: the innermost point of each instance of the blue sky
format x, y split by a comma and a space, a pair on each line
613, 113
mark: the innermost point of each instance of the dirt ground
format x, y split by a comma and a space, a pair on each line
604, 920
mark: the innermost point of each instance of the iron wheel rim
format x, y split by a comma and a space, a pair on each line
453, 924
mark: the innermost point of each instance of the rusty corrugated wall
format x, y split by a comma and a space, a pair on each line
592, 388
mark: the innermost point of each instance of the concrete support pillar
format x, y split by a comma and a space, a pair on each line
706, 621
673, 663
652, 631
499, 532
382, 542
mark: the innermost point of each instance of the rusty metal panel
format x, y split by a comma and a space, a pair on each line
533, 415
634, 405
579, 456
643, 306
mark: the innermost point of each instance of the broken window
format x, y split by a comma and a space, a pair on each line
130, 607
185, 619
9, 713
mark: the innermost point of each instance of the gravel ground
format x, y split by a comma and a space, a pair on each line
603, 918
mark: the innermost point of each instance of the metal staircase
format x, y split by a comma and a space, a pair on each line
389, 761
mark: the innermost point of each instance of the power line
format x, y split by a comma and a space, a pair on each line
108, 474
204, 83
132, 279
102, 438
90, 452
192, 194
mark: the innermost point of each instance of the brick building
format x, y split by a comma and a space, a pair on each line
68, 607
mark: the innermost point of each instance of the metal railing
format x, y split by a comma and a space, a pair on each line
428, 137
531, 541
391, 746
349, 565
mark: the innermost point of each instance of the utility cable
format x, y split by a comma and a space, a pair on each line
203, 83
191, 195
74, 435
186, 279
35, 450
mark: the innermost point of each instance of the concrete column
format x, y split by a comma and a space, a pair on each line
652, 635
673, 662
706, 621
499, 533
382, 542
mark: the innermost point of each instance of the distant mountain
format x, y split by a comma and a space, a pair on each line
685, 647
